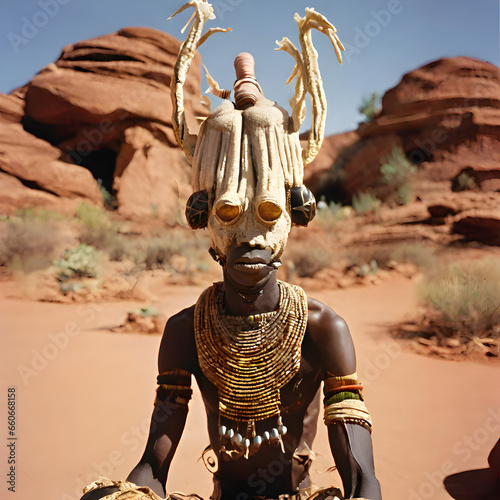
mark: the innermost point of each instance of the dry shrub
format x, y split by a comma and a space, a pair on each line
466, 295
154, 252
27, 241
377, 257
423, 256
158, 252
373, 256
307, 260
397, 175
459, 312
365, 203
329, 215
98, 230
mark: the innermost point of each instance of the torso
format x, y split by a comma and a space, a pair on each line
269, 472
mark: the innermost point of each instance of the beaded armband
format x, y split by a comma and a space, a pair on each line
343, 401
174, 387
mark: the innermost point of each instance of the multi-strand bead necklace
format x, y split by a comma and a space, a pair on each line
249, 359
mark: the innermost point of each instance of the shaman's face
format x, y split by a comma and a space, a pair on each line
247, 161
259, 222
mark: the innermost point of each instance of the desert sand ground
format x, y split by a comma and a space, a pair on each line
84, 397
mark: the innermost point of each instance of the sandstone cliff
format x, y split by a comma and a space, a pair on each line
445, 116
99, 116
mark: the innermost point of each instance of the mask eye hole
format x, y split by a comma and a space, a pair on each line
269, 211
227, 212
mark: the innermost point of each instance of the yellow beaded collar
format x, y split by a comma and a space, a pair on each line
249, 359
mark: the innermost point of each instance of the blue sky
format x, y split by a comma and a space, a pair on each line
384, 39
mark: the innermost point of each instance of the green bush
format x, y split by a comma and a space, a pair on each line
82, 261
466, 295
145, 311
398, 173
465, 182
364, 203
108, 198
369, 106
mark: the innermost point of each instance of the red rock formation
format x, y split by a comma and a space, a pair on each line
11, 107
321, 175
34, 161
103, 108
445, 116
479, 225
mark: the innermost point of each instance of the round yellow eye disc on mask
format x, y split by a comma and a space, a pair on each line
269, 211
228, 212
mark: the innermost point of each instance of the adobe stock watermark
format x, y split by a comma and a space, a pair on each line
221, 7
95, 138
426, 146
31, 25
57, 342
363, 36
133, 440
463, 447
390, 350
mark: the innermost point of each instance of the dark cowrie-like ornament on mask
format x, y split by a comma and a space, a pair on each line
303, 205
197, 210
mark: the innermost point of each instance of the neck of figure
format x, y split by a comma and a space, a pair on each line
242, 300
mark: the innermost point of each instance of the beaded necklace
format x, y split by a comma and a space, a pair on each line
249, 359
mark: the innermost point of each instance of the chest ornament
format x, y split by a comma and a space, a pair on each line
249, 359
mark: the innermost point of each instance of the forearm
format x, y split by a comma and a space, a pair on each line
143, 475
166, 428
352, 450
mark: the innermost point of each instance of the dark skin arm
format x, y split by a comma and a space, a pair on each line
177, 350
351, 444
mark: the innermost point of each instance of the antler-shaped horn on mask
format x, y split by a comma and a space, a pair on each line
308, 77
203, 12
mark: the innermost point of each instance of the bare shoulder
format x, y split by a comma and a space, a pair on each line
178, 347
324, 321
331, 339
